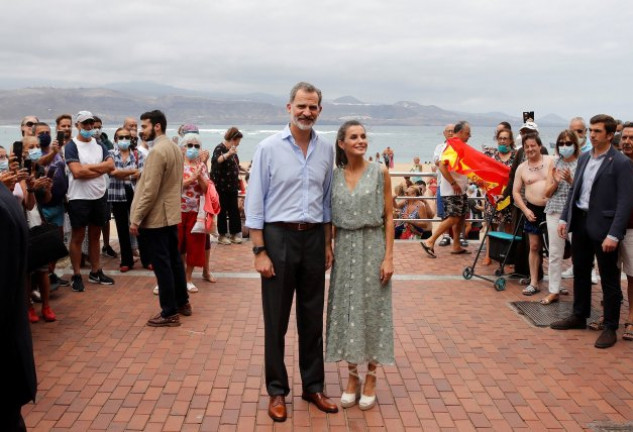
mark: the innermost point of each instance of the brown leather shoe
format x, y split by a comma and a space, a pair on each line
277, 408
159, 321
185, 309
321, 401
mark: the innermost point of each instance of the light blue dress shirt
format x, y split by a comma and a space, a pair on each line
591, 169
285, 186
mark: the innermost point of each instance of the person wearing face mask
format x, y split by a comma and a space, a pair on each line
559, 180
54, 167
89, 164
127, 169
506, 154
194, 185
4, 160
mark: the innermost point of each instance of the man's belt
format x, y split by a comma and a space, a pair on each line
297, 226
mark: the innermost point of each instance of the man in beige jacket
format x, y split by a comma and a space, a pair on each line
155, 216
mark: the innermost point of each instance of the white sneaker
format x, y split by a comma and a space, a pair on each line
224, 240
235, 239
191, 287
156, 290
594, 277
568, 274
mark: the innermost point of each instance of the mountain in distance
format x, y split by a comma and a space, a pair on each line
115, 101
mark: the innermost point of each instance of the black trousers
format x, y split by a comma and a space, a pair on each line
121, 211
11, 417
583, 251
168, 267
229, 210
299, 262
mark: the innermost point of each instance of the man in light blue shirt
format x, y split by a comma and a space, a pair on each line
289, 215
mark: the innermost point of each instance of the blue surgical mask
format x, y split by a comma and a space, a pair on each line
566, 151
4, 165
86, 133
35, 154
45, 140
192, 153
503, 148
123, 144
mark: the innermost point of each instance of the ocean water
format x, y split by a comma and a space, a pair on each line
406, 141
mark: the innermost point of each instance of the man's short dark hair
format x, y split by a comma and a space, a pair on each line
156, 117
97, 119
306, 87
506, 125
59, 119
627, 124
459, 126
609, 122
38, 124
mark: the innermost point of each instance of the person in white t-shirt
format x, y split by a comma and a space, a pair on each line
89, 164
454, 199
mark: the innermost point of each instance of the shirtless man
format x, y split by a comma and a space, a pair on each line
533, 174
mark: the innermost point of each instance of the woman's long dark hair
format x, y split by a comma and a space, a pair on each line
341, 159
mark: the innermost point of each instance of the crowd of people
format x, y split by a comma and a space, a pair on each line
79, 181
163, 192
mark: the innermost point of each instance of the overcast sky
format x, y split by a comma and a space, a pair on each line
565, 57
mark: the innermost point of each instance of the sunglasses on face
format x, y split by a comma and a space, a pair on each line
124, 137
29, 124
193, 145
579, 131
565, 143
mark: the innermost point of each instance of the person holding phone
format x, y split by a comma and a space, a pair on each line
53, 165
225, 171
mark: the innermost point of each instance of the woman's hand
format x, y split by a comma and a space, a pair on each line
386, 271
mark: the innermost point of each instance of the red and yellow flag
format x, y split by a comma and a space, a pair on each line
490, 175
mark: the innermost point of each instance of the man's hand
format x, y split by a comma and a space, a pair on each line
609, 245
329, 257
562, 231
263, 265
9, 179
134, 229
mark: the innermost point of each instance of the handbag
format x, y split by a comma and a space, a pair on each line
45, 245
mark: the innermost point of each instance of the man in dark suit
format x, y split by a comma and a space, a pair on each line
596, 213
14, 325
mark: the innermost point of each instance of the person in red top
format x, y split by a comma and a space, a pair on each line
195, 183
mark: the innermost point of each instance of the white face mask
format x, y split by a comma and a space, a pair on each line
565, 151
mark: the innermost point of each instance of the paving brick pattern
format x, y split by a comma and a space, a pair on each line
465, 360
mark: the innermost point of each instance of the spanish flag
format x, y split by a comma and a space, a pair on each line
490, 175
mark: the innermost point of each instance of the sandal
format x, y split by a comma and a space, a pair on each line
368, 402
551, 298
597, 325
530, 290
348, 400
428, 250
628, 331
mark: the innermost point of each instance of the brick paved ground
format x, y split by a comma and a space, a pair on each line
465, 360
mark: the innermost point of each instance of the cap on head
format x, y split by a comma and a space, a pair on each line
530, 125
189, 128
83, 116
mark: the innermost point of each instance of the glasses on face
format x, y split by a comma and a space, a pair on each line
193, 145
565, 143
124, 137
579, 131
29, 124
449, 131
503, 138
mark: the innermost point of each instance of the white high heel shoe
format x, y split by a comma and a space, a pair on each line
348, 400
367, 402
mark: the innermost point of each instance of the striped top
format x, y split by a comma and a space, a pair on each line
557, 202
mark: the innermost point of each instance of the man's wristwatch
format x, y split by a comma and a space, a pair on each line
258, 249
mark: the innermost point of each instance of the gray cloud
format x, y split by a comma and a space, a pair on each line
562, 57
